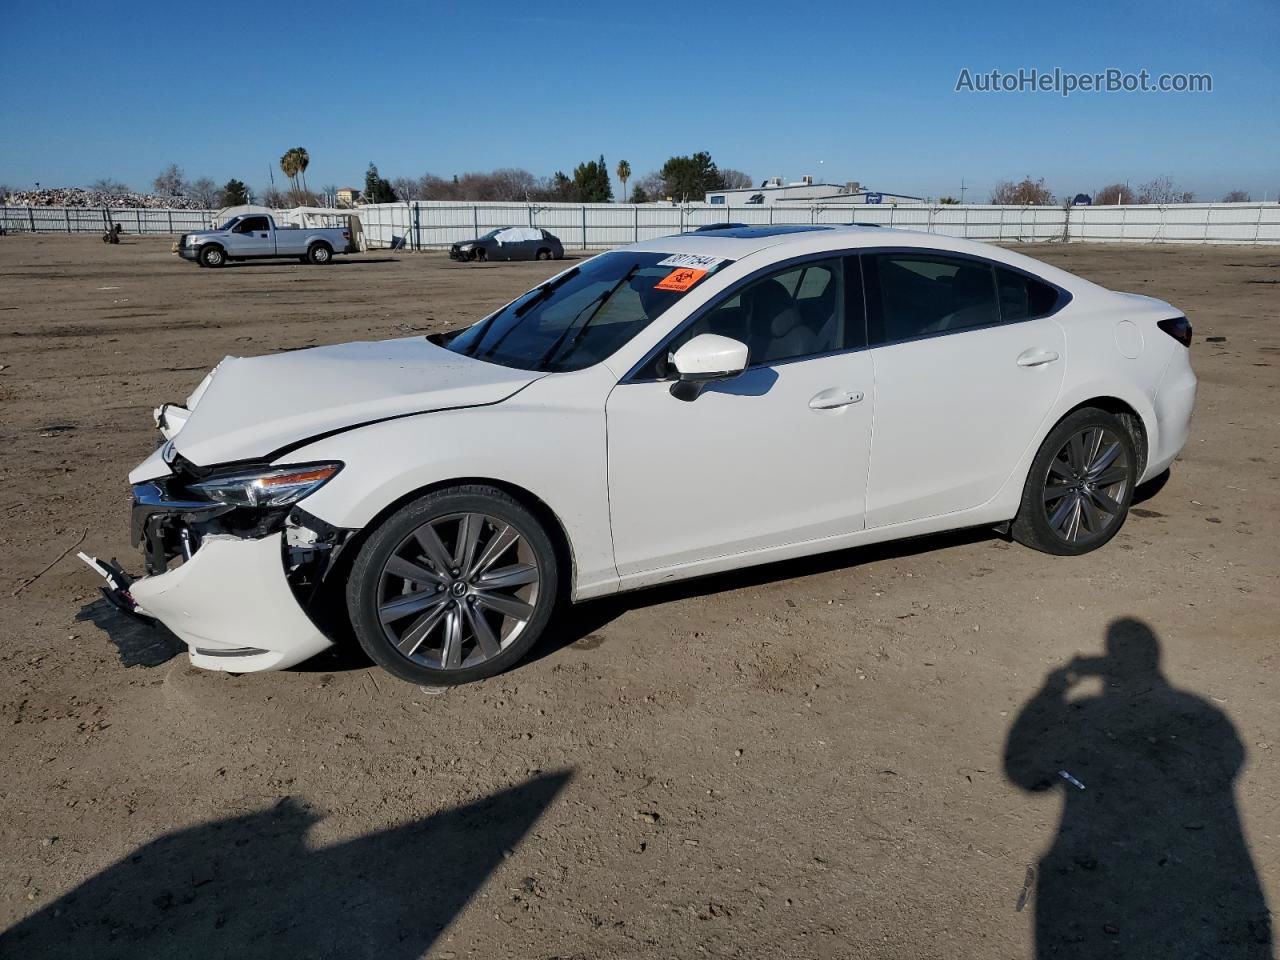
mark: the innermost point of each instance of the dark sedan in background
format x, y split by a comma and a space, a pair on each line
510, 243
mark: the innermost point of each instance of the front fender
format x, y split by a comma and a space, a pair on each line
549, 440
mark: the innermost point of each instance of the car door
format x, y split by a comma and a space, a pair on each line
253, 238
775, 456
968, 362
507, 245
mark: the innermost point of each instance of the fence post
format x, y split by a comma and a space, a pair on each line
170, 212
636, 234
66, 212
965, 227
1257, 226
32, 217
475, 220
584, 226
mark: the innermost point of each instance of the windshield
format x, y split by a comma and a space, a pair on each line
586, 313
491, 234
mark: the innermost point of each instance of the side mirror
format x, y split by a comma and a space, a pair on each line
704, 359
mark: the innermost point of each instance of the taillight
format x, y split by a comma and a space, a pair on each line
1178, 328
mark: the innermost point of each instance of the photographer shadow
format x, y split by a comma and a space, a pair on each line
1150, 858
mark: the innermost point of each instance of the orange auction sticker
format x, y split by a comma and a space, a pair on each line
680, 280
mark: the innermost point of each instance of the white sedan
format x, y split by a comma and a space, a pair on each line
674, 408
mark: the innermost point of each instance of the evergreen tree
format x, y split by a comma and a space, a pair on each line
377, 190
235, 193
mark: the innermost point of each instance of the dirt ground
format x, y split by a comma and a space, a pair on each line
803, 760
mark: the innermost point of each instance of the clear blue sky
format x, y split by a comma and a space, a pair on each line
843, 91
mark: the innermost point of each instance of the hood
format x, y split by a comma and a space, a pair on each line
250, 407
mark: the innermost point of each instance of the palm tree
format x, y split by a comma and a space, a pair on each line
624, 174
300, 154
289, 167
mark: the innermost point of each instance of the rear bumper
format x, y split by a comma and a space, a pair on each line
233, 607
1174, 401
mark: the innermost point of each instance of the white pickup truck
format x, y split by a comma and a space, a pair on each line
256, 236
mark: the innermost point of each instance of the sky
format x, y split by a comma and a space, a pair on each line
840, 91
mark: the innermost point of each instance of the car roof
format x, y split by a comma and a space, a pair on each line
784, 242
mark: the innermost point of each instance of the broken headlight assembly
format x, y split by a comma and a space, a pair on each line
273, 487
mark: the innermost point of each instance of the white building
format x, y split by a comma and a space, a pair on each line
805, 190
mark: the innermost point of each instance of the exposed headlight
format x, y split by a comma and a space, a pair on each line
276, 487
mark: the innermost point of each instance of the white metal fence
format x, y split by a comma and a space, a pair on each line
429, 225
98, 219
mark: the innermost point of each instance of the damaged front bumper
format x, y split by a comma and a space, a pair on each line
232, 605
244, 593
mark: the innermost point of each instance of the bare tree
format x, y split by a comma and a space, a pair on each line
5, 190
1113, 193
169, 182
651, 186
735, 179
1236, 196
407, 188
205, 191
275, 198
1026, 193
1163, 190
109, 185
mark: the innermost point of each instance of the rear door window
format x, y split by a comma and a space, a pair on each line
1023, 297
913, 295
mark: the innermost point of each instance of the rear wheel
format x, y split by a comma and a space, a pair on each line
544, 254
319, 253
1080, 485
212, 256
453, 587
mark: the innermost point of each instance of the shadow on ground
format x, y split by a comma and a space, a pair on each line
250, 887
1150, 859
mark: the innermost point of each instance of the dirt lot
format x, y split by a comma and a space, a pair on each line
806, 760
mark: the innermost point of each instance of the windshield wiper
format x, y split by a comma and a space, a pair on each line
599, 303
545, 290
540, 293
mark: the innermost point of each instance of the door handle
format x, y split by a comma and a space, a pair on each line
1036, 357
833, 398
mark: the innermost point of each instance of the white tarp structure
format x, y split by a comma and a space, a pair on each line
518, 234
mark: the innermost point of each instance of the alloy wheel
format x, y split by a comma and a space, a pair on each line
458, 590
1085, 487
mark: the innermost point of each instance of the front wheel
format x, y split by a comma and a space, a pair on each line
212, 257
1080, 485
453, 587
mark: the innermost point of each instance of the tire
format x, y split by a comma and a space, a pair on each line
213, 256
478, 255
320, 254
455, 629
1080, 485
544, 254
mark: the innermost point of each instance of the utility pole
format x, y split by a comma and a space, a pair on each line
963, 188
